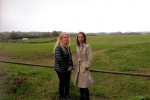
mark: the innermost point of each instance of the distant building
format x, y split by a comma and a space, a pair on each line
25, 38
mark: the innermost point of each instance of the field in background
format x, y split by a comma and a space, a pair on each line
129, 53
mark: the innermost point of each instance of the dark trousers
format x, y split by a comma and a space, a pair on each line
84, 94
64, 82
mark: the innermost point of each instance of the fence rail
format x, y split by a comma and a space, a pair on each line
92, 70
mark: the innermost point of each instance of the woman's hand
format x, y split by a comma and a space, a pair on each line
70, 68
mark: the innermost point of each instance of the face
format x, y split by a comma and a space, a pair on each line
80, 38
65, 39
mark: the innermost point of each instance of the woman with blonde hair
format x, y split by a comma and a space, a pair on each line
63, 64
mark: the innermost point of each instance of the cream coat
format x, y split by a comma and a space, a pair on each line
84, 58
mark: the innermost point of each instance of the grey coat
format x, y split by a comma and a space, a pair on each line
84, 58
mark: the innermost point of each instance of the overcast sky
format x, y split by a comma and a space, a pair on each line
75, 15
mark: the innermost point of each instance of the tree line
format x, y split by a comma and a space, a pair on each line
19, 35
4, 36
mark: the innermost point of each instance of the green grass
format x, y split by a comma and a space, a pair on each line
125, 53
130, 57
28, 52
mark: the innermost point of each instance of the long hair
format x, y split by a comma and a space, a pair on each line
59, 41
84, 41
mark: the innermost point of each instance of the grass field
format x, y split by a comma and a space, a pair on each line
124, 53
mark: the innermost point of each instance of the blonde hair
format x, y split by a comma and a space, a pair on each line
59, 41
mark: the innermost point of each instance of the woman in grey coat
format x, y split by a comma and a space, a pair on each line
84, 57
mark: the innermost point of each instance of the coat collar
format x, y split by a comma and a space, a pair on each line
80, 48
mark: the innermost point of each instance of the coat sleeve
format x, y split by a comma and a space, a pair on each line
59, 59
90, 56
75, 61
70, 58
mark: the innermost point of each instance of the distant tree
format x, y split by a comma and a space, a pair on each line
14, 35
25, 35
55, 33
1, 36
46, 35
59, 32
